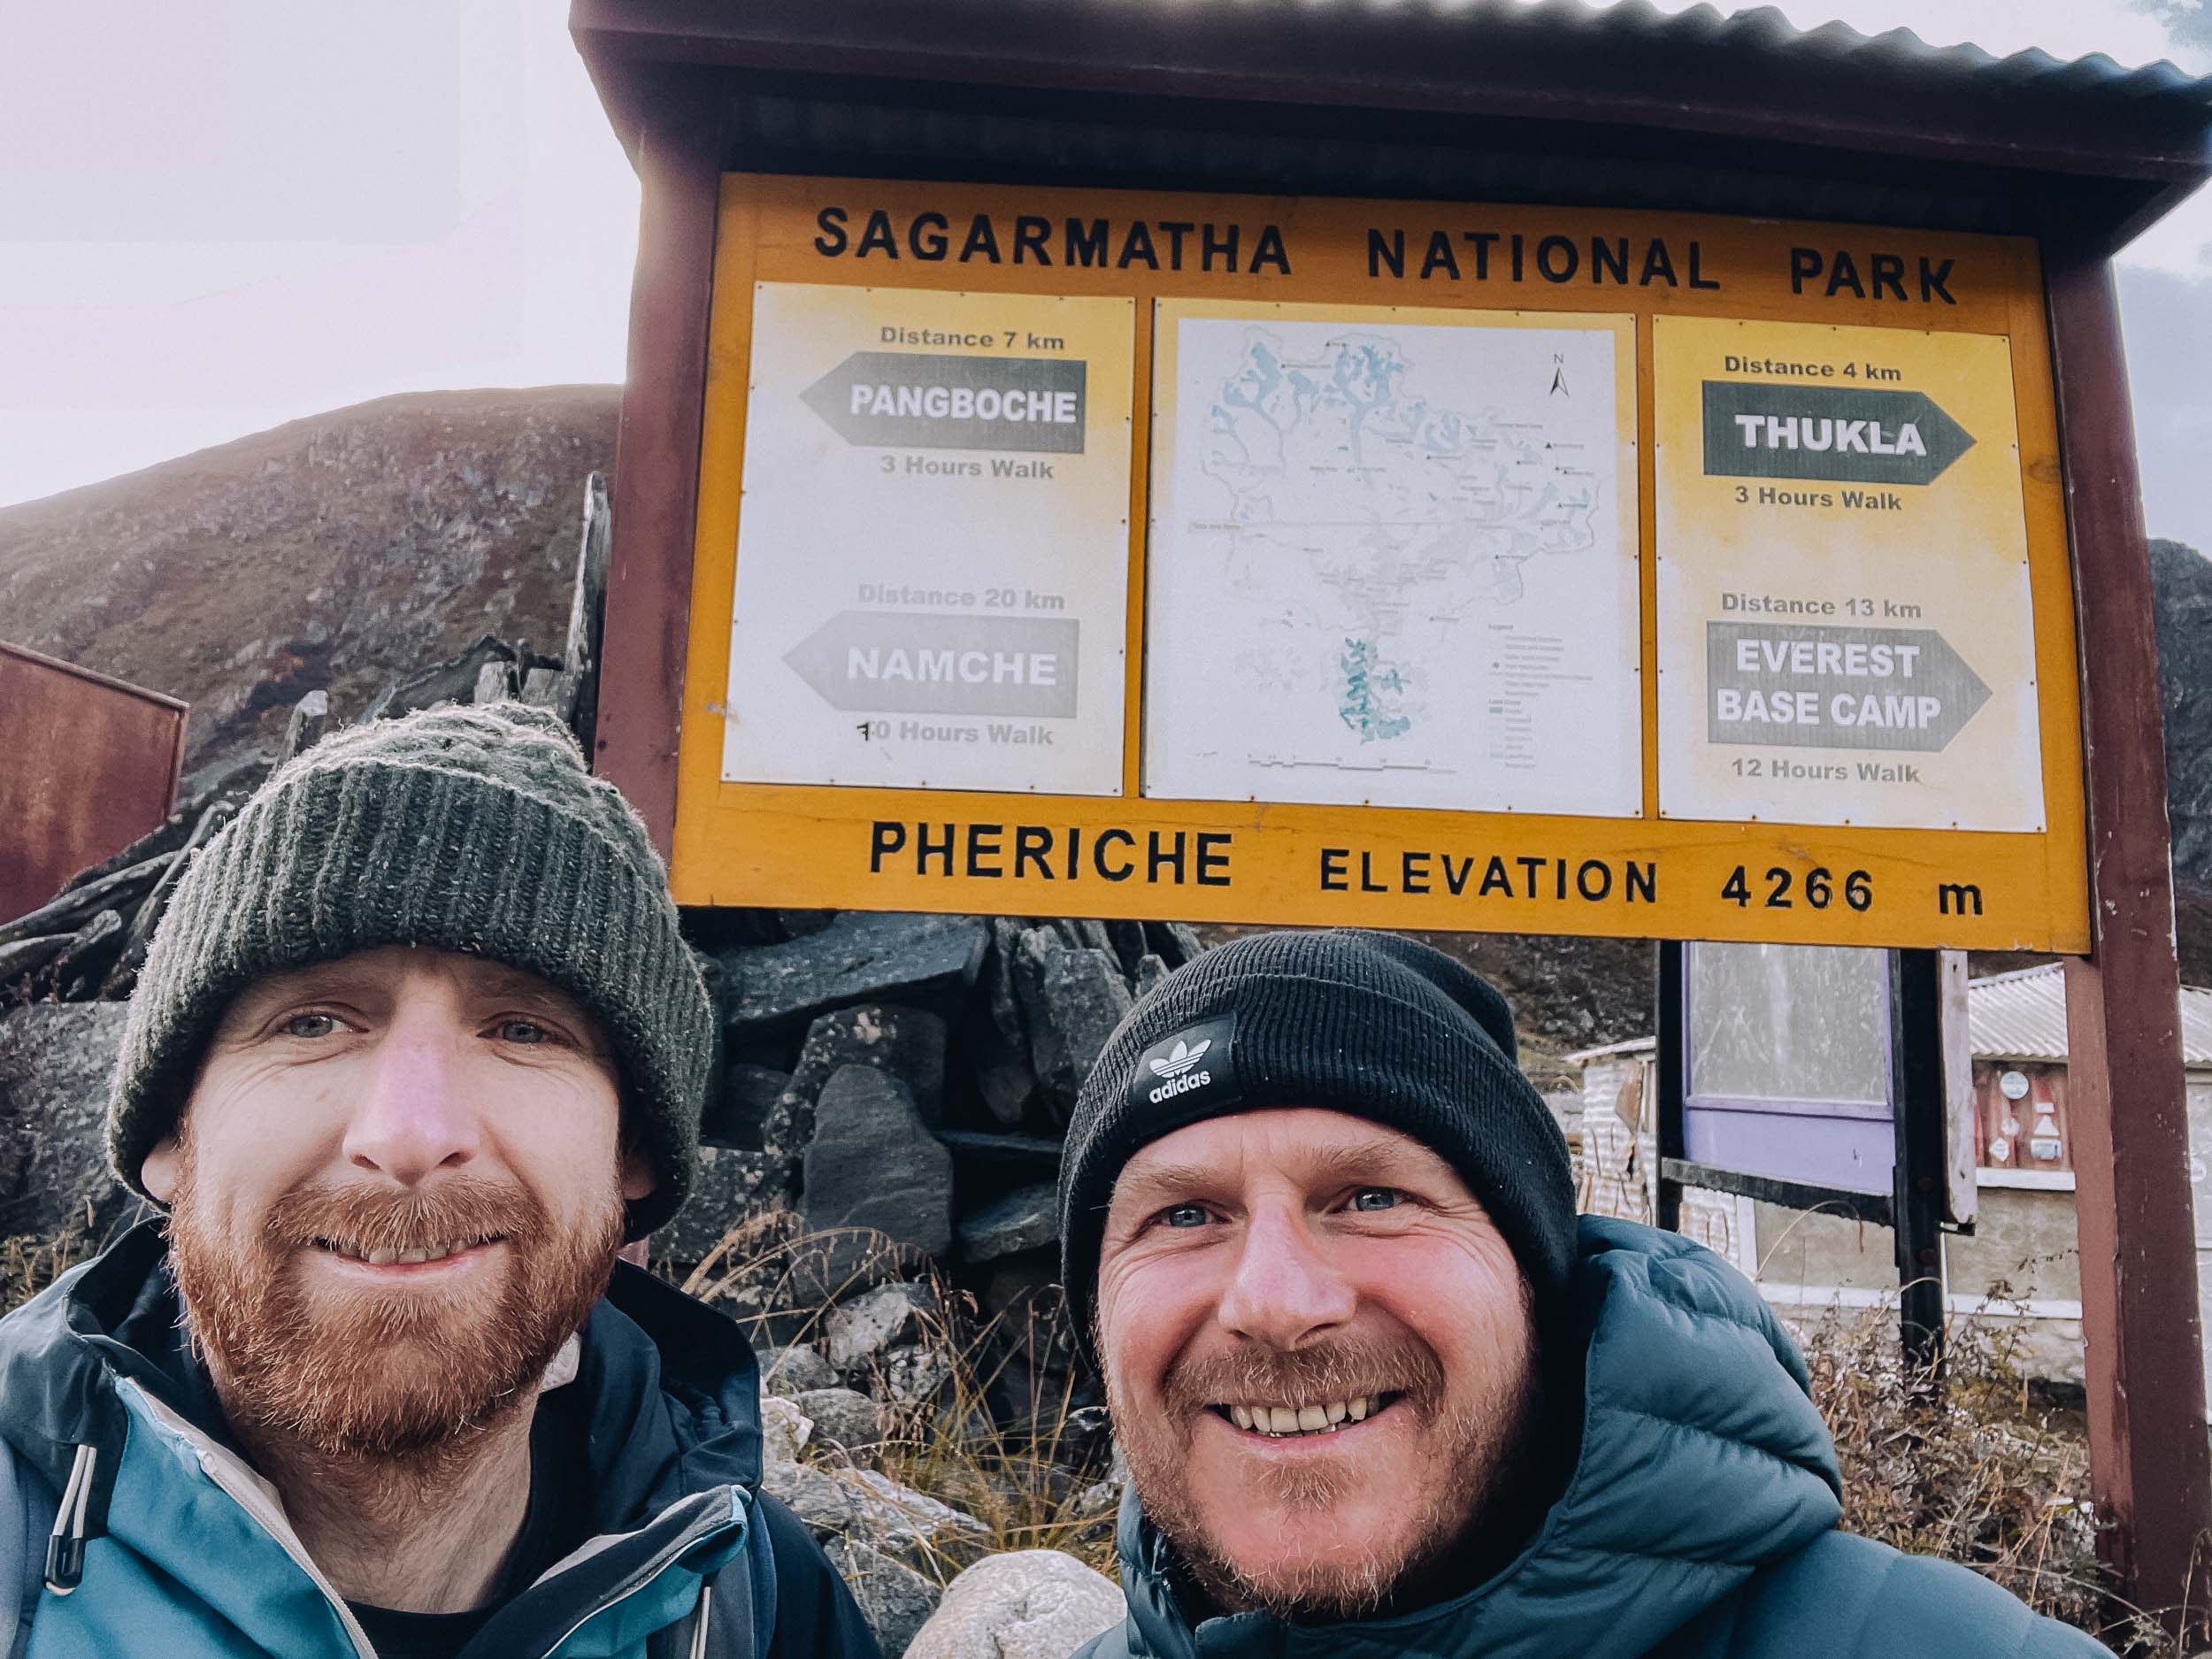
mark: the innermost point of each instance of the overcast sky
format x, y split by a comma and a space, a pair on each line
218, 216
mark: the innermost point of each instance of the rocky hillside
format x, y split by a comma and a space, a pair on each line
336, 552
2184, 581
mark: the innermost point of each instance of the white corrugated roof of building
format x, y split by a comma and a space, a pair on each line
1634, 1045
2023, 1017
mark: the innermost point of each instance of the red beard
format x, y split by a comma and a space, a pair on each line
394, 1376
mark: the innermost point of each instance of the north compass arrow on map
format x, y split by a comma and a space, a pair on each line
1811, 686
916, 400
1844, 434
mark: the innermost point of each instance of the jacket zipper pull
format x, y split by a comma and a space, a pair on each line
64, 1547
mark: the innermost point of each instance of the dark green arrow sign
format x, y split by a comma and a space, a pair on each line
1807, 685
909, 662
920, 400
1849, 435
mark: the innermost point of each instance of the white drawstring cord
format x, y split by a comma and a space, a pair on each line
64, 1546
699, 1631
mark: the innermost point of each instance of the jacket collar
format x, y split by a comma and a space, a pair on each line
1702, 1459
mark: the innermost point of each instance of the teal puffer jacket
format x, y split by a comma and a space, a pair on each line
170, 1544
1700, 1521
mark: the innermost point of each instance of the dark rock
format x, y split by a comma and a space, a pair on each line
908, 1523
1129, 946
1175, 943
1151, 972
735, 928
55, 1062
800, 923
823, 1503
994, 1034
923, 961
749, 1092
1025, 1219
896, 1600
123, 975
1034, 1150
883, 1317
845, 1420
1003, 1001
310, 719
794, 1370
454, 680
1005, 1088
1085, 1438
231, 777
1033, 1377
907, 1043
92, 950
1022, 1285
71, 909
875, 1176
729, 1186
914, 1374
29, 956
1073, 998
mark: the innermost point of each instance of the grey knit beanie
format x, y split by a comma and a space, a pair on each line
1371, 1025
475, 830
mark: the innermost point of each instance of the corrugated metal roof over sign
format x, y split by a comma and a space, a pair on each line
1477, 100
2023, 1017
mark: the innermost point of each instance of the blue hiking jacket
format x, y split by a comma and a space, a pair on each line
1699, 1521
177, 1547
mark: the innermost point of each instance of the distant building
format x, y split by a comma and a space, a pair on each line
2024, 1248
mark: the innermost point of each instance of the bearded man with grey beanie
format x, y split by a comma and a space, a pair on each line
417, 1048
1381, 1392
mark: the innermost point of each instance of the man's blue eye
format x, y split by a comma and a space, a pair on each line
522, 1030
1374, 1198
1185, 1216
307, 1026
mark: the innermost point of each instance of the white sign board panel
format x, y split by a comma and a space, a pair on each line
1846, 631
933, 556
1392, 559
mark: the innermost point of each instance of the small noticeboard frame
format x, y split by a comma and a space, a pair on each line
932, 639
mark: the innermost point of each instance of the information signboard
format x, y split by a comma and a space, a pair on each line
1409, 535
1403, 564
933, 572
1845, 617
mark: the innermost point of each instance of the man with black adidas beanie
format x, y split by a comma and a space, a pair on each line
1380, 1390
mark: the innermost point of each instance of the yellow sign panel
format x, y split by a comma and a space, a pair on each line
1845, 627
1388, 581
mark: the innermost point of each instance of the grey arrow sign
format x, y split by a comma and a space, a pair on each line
893, 662
1811, 686
1847, 434
919, 400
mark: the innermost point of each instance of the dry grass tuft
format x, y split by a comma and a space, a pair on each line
1032, 1486
29, 1262
1984, 1468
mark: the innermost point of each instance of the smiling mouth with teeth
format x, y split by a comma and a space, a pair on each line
384, 1256
1284, 1422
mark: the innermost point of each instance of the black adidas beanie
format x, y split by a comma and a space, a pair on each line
1362, 1023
